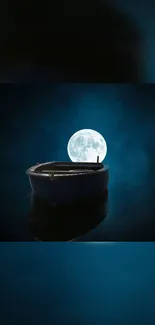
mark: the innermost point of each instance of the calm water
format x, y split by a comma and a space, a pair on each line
66, 283
123, 214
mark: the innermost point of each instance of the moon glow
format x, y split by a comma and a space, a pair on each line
85, 145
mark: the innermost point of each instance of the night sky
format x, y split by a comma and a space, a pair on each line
37, 122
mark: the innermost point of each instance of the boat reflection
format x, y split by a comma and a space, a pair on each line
65, 222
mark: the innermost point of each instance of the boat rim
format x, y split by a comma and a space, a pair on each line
31, 171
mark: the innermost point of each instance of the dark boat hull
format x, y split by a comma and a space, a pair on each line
69, 188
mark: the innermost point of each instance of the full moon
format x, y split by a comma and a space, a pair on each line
85, 145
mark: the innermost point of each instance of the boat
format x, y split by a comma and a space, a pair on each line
66, 182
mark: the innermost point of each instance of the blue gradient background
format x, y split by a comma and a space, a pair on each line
37, 122
77, 283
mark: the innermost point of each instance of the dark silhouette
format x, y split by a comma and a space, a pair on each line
65, 222
69, 40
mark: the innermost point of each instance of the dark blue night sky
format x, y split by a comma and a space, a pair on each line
39, 120
77, 283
